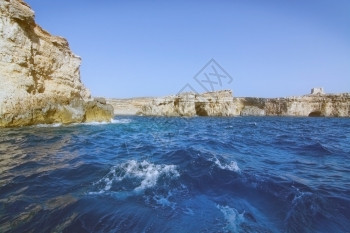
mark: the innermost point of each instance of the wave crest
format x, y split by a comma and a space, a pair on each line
121, 121
232, 166
135, 176
233, 218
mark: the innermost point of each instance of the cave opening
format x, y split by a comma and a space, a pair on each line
315, 114
200, 110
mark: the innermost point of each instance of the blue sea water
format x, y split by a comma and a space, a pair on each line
148, 174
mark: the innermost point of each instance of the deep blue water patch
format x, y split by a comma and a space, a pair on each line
157, 174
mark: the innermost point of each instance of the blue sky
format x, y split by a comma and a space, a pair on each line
271, 48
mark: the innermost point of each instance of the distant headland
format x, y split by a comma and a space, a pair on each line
222, 103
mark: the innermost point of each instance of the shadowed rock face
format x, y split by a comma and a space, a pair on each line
315, 114
189, 104
39, 75
327, 105
222, 103
130, 106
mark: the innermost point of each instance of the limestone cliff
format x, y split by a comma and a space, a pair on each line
219, 103
327, 105
131, 106
39, 75
222, 103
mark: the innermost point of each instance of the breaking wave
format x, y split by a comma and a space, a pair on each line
134, 176
93, 123
233, 218
242, 174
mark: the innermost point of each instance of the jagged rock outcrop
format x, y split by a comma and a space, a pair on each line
39, 75
327, 105
252, 111
131, 106
182, 105
219, 103
222, 103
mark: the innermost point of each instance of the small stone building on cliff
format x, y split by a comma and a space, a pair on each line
317, 91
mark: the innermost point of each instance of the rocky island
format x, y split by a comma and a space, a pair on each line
39, 75
222, 103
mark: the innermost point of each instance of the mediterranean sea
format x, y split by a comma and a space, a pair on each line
164, 174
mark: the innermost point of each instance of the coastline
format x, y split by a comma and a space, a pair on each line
222, 103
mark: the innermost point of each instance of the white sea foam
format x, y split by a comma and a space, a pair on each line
48, 125
188, 211
121, 121
232, 166
113, 121
142, 174
233, 218
94, 123
164, 201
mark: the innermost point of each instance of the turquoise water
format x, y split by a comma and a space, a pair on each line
146, 174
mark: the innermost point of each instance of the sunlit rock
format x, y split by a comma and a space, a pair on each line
39, 74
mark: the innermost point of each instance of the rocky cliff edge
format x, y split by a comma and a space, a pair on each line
222, 103
39, 75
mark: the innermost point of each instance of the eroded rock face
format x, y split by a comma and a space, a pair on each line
327, 105
222, 103
219, 103
181, 105
39, 75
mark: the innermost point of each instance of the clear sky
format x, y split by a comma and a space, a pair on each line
270, 48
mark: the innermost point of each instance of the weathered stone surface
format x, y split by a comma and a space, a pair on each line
215, 104
328, 105
97, 110
181, 105
132, 106
189, 104
252, 111
100, 100
39, 75
222, 103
